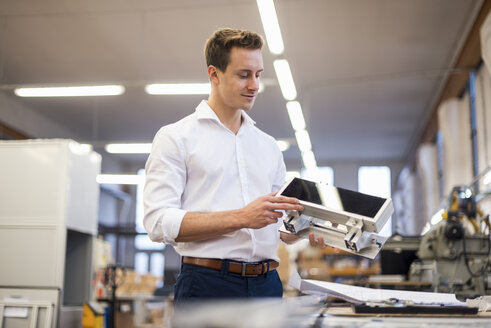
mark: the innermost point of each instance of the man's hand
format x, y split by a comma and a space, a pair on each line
317, 243
266, 210
258, 214
290, 239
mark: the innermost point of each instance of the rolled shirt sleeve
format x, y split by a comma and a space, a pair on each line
165, 178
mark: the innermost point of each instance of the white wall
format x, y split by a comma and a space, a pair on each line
418, 193
427, 168
483, 113
454, 124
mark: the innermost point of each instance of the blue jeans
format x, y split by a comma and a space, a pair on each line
196, 283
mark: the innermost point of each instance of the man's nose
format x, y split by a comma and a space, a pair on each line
253, 83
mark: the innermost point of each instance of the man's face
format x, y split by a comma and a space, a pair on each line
238, 86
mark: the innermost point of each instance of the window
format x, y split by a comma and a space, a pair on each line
141, 263
375, 180
157, 264
324, 174
142, 242
146, 249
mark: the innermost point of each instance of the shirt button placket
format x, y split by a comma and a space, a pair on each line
244, 186
242, 172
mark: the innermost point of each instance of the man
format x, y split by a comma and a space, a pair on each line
211, 180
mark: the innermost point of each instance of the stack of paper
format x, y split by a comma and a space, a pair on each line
358, 295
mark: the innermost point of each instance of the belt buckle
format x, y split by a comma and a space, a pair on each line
243, 272
245, 264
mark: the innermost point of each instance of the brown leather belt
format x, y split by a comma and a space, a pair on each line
242, 268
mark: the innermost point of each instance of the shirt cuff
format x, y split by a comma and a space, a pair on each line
171, 224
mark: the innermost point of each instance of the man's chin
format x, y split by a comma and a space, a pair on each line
248, 106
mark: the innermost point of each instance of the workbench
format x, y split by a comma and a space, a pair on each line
306, 311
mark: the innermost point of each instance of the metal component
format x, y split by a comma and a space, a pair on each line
355, 239
243, 272
351, 238
346, 219
399, 243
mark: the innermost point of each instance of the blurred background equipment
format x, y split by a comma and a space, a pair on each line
456, 253
93, 315
48, 226
114, 277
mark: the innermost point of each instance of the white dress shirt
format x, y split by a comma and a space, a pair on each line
199, 165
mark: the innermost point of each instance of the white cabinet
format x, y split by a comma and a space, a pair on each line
48, 216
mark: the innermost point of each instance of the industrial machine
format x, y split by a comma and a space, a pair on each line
346, 219
455, 253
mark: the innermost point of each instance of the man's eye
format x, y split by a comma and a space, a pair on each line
243, 76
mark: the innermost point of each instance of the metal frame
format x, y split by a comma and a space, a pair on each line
340, 229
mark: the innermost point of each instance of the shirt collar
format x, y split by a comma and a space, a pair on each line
204, 111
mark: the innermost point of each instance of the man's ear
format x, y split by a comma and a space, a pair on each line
213, 74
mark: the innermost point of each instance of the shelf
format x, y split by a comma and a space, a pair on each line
353, 271
334, 251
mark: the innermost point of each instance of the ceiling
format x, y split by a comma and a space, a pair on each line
367, 72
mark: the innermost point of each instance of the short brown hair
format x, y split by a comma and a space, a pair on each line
218, 46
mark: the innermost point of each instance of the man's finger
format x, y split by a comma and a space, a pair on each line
285, 206
312, 239
284, 199
274, 214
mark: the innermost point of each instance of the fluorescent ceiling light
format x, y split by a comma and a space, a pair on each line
303, 140
296, 115
178, 88
285, 79
283, 144
126, 179
271, 26
184, 88
74, 91
129, 148
308, 159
